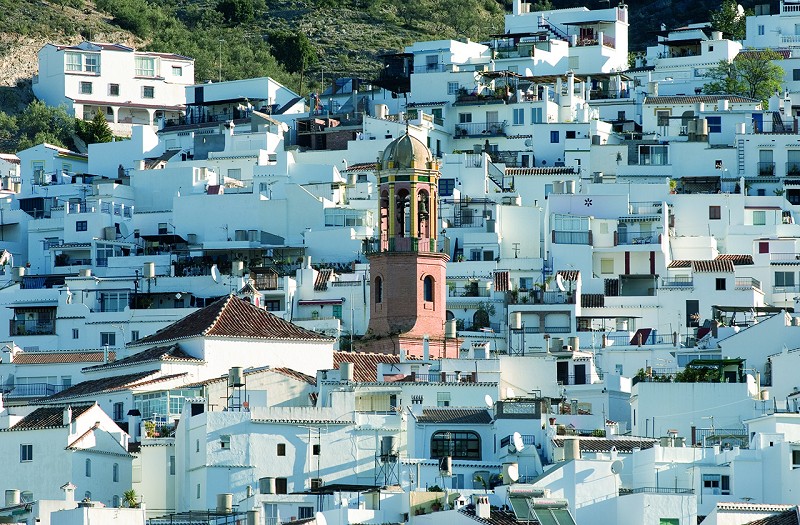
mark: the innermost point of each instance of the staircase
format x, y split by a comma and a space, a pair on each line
777, 124
555, 32
497, 176
740, 157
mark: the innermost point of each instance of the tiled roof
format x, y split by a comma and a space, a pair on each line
569, 275
788, 517
48, 358
548, 170
323, 276
680, 263
48, 417
365, 364
598, 444
753, 507
9, 157
496, 517
231, 317
456, 416
715, 266
294, 374
735, 258
593, 300
362, 166
110, 384
425, 104
157, 353
757, 53
694, 99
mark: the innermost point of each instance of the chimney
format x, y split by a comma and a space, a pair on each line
426, 349
69, 491
67, 419
133, 424
105, 354
482, 509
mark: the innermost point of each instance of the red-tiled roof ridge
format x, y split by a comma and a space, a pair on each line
365, 364
48, 417
323, 276
736, 258
231, 317
294, 374
46, 358
157, 353
715, 266
788, 517
455, 416
109, 384
569, 275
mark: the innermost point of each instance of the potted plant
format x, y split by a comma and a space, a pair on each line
436, 506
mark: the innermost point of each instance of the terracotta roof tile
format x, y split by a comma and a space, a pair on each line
496, 517
48, 358
694, 99
715, 266
456, 416
788, 517
593, 300
47, 417
231, 317
365, 364
323, 276
110, 384
294, 374
550, 170
736, 259
156, 353
569, 275
680, 263
597, 444
362, 166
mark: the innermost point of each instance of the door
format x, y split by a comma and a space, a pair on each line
692, 310
580, 375
562, 372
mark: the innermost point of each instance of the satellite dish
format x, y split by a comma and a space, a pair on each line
560, 283
489, 401
528, 143
320, 519
513, 472
510, 392
616, 466
516, 443
123, 230
215, 273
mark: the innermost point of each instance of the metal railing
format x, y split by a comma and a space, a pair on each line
786, 289
766, 169
630, 238
679, 281
34, 390
557, 329
480, 129
625, 339
468, 291
529, 440
32, 327
562, 237
654, 490
644, 208
748, 282
793, 169
784, 257
556, 297
400, 244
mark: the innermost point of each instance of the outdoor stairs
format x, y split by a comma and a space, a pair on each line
545, 24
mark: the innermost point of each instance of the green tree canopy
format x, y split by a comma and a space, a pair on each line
96, 130
294, 50
752, 74
730, 20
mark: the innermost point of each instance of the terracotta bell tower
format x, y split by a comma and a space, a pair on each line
407, 271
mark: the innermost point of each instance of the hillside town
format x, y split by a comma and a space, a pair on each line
537, 279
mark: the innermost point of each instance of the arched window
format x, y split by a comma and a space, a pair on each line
115, 501
458, 444
378, 290
427, 288
115, 473
88, 468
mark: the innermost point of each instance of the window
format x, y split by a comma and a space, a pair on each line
162, 228
571, 134
784, 279
25, 453
115, 472
281, 449
172, 465
81, 226
86, 88
148, 92
336, 311
607, 266
305, 512
464, 118
759, 218
427, 289
74, 61
145, 67
716, 484
198, 491
761, 30
446, 187
526, 283
795, 459
225, 441
112, 301
82, 62
620, 115
118, 410
115, 501
458, 482
108, 338
714, 124
378, 290
113, 90
714, 213
315, 450
536, 115
553, 137
75, 333
134, 335
456, 444
662, 118
177, 71
91, 63
669, 521
88, 468
452, 88
763, 247
432, 62
519, 116
281, 486
442, 399
720, 283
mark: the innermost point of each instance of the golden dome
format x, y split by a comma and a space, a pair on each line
405, 152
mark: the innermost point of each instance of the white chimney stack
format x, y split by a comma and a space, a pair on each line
482, 508
426, 349
67, 420
133, 424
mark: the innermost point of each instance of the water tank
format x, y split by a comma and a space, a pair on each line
237, 268
17, 273
236, 376
516, 320
702, 127
225, 503
388, 446
569, 187
346, 371
84, 272
381, 111
796, 321
558, 186
716, 35
450, 329
764, 395
556, 344
253, 517
572, 449
266, 486
724, 105
574, 342
12, 497
622, 325
741, 128
149, 270
110, 233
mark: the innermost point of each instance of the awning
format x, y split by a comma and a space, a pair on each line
165, 238
320, 302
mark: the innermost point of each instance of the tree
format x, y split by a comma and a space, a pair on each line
236, 11
751, 74
129, 499
97, 130
730, 19
294, 50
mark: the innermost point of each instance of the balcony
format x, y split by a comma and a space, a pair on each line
34, 390
655, 490
32, 327
565, 237
793, 289
785, 257
766, 169
469, 290
744, 283
529, 440
793, 169
480, 129
678, 281
471, 99
645, 208
630, 238
400, 245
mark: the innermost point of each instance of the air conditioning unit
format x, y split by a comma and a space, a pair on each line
316, 483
